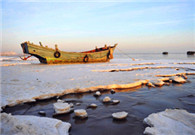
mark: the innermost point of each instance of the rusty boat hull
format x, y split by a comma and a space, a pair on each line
55, 56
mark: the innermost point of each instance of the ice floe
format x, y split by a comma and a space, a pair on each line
60, 101
141, 68
35, 95
13, 64
178, 79
149, 84
32, 125
97, 94
61, 108
92, 105
120, 115
43, 113
106, 99
115, 101
170, 122
43, 81
35, 84
177, 74
81, 113
78, 104
112, 91
158, 82
32, 96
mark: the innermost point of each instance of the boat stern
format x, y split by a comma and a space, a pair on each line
25, 47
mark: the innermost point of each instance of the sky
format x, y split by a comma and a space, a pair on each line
141, 26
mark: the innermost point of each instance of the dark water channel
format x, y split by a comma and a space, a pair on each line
139, 103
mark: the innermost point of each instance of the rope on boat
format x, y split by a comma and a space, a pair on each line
126, 54
25, 58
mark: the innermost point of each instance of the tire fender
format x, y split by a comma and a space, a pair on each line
86, 58
57, 54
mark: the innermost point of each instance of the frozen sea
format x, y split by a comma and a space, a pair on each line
28, 81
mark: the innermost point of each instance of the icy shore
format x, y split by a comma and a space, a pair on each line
170, 122
32, 96
11, 98
32, 125
32, 81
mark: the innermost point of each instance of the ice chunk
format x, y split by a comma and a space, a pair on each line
178, 79
184, 76
71, 105
60, 101
61, 107
112, 91
13, 97
77, 104
92, 105
165, 79
170, 122
32, 125
80, 113
106, 99
43, 113
115, 101
97, 94
158, 83
120, 115
149, 84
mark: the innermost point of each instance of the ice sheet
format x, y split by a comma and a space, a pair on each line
32, 125
28, 82
170, 122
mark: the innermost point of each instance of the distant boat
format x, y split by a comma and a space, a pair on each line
165, 53
55, 56
190, 52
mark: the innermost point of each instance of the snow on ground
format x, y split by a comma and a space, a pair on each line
170, 122
32, 125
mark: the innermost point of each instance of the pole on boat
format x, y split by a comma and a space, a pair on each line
40, 44
56, 47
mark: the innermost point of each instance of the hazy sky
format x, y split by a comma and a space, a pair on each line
141, 26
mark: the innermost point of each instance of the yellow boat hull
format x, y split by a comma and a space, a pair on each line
55, 56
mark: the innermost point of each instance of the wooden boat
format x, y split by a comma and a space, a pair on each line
55, 56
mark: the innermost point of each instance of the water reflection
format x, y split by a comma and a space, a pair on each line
120, 121
80, 121
63, 117
191, 56
138, 103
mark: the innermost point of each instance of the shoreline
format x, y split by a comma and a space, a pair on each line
149, 87
141, 102
93, 89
